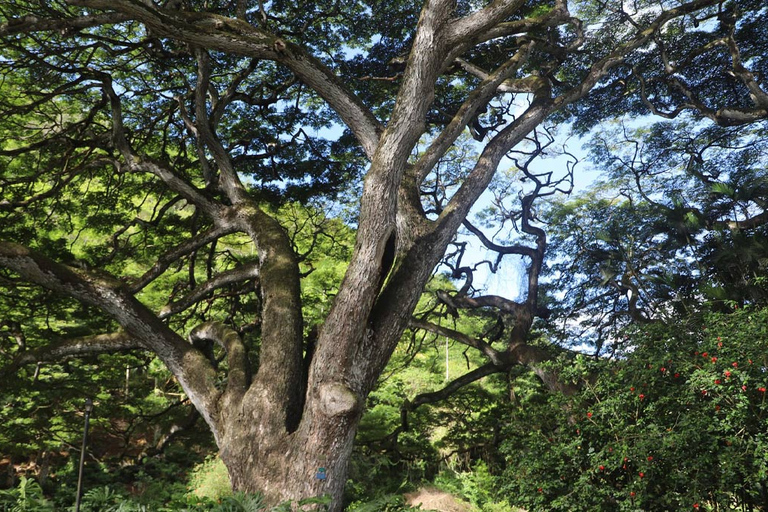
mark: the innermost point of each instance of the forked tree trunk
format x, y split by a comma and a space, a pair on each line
289, 468
308, 463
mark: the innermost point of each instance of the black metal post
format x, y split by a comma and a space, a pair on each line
88, 409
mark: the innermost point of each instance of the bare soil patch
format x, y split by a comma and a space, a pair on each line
431, 498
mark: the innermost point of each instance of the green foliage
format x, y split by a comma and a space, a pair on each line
674, 223
477, 486
69, 195
316, 503
679, 419
210, 480
239, 502
101, 499
27, 496
385, 503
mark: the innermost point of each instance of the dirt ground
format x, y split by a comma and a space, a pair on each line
434, 499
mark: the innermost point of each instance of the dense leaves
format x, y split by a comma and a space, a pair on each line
680, 419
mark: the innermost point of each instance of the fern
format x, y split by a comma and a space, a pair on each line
101, 499
26, 497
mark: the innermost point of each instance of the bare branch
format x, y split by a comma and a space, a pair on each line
556, 16
442, 394
751, 223
476, 99
77, 347
136, 162
31, 24
475, 24
236, 275
178, 252
758, 96
494, 301
518, 249
523, 85
229, 180
492, 354
533, 357
454, 385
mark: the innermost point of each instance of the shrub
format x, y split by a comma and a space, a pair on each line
210, 479
679, 420
27, 496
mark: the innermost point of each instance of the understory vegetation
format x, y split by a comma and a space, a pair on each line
678, 421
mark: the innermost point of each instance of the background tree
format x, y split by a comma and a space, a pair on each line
144, 138
677, 226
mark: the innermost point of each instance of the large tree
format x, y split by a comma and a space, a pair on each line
677, 225
140, 138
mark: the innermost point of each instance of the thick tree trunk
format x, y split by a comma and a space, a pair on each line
308, 463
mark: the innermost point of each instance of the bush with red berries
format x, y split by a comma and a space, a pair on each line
679, 418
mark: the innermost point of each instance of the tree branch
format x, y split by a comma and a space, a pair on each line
468, 110
278, 378
232, 35
186, 247
751, 223
235, 275
140, 163
472, 25
30, 24
191, 368
492, 354
533, 357
448, 390
77, 347
229, 181
518, 249
238, 375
